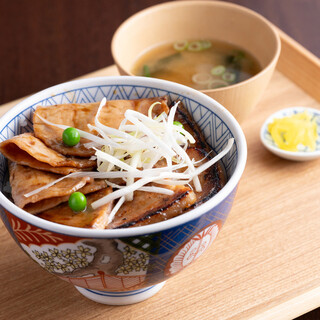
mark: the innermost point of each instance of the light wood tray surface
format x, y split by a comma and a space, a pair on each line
265, 263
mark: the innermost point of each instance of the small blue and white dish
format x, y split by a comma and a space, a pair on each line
303, 154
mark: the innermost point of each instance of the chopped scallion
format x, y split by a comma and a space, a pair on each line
228, 76
215, 84
218, 70
146, 71
177, 123
206, 44
201, 78
195, 46
180, 45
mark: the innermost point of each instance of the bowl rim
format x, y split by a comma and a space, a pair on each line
290, 155
178, 4
190, 93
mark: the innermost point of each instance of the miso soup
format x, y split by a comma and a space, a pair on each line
200, 64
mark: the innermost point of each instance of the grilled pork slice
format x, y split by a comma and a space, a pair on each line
147, 207
26, 149
80, 115
183, 116
25, 179
90, 218
174, 209
113, 113
213, 179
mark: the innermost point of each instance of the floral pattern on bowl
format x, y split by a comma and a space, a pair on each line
123, 266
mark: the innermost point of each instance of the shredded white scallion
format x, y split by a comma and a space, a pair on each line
115, 209
132, 152
153, 189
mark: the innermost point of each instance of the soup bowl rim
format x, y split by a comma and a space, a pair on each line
178, 4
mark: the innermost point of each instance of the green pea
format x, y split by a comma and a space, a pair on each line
71, 137
177, 123
77, 202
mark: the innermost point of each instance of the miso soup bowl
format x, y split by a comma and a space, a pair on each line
191, 20
124, 266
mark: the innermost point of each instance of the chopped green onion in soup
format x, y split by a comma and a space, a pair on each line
197, 63
181, 45
146, 71
218, 70
194, 46
229, 76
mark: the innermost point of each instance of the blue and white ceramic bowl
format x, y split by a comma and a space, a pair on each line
302, 155
124, 266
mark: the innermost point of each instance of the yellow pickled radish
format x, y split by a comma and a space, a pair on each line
294, 132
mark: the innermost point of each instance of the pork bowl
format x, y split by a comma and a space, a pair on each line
115, 184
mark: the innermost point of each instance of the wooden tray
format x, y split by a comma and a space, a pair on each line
265, 264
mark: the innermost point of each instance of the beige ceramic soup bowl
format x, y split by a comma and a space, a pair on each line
179, 20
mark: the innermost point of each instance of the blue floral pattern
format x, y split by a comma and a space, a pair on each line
148, 254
